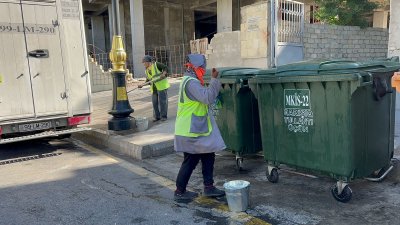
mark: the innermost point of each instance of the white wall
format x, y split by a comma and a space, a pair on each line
394, 29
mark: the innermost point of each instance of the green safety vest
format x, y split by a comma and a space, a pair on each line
191, 114
160, 85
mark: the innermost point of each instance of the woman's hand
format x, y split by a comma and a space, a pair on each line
214, 73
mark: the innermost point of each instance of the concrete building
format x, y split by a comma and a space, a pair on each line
241, 27
381, 14
149, 24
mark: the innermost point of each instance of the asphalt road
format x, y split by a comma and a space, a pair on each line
65, 182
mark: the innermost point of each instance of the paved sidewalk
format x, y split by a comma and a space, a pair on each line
157, 140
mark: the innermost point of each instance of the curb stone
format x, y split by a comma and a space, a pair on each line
122, 145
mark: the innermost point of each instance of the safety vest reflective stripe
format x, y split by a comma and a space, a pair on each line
192, 119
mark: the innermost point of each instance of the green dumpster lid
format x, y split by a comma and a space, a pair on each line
380, 66
233, 72
391, 59
328, 67
266, 72
316, 67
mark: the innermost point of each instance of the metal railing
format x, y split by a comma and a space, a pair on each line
103, 59
174, 56
92, 49
311, 14
290, 21
199, 46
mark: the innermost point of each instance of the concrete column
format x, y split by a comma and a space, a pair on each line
166, 26
270, 40
88, 33
110, 22
394, 29
224, 15
138, 45
380, 19
98, 32
122, 20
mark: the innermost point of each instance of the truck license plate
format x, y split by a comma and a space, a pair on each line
35, 126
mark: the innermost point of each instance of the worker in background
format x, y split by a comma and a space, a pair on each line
196, 133
157, 73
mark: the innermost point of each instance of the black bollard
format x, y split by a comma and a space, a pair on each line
121, 109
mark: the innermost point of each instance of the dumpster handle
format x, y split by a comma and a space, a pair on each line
380, 88
366, 82
243, 84
380, 178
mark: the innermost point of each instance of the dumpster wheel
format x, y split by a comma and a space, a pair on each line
345, 196
273, 177
239, 163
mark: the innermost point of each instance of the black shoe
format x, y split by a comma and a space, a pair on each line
163, 119
155, 120
187, 195
213, 192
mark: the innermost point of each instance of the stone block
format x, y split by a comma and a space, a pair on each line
262, 51
255, 44
243, 44
243, 27
334, 45
146, 152
243, 36
244, 53
162, 148
263, 24
116, 143
252, 53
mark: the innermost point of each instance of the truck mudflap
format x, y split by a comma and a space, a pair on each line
42, 135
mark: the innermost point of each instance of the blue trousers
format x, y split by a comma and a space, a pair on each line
160, 104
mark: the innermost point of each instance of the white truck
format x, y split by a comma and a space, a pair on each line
44, 80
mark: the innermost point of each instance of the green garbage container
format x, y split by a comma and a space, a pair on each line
236, 112
323, 116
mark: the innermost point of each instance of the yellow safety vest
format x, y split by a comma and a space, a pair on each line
160, 85
191, 114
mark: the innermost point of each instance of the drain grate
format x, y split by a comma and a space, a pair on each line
27, 158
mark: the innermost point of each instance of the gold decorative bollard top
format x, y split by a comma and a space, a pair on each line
118, 54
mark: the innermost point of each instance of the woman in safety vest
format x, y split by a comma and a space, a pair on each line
196, 133
157, 73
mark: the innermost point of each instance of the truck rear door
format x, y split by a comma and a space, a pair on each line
45, 57
15, 89
74, 49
